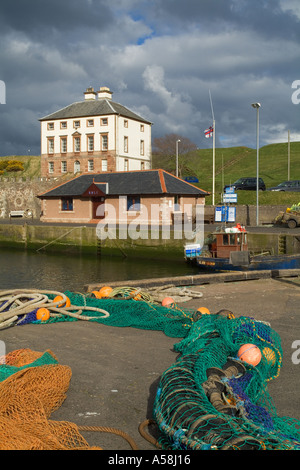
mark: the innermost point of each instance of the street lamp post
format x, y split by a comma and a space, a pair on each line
177, 142
257, 106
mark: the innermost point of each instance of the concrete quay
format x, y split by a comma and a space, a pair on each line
115, 371
202, 279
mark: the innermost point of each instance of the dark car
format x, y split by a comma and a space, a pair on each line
191, 179
248, 184
287, 186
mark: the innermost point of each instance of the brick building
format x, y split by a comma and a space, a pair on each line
150, 196
96, 135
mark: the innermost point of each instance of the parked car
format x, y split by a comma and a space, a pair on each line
293, 185
191, 179
248, 184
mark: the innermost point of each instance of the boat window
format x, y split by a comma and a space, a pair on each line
232, 239
225, 239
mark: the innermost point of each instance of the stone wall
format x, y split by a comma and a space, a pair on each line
21, 194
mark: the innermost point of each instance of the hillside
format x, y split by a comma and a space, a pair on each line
230, 164
236, 162
32, 166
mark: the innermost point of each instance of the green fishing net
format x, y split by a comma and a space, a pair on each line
174, 322
210, 398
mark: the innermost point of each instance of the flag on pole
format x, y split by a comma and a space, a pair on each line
209, 132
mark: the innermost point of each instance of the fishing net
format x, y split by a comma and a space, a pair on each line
114, 311
32, 386
208, 399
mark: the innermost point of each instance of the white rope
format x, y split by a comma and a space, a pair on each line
17, 302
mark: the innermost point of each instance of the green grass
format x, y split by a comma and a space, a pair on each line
230, 164
32, 166
237, 162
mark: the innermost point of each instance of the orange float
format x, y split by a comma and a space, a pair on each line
96, 294
167, 301
63, 304
137, 296
42, 314
270, 355
250, 353
203, 310
105, 291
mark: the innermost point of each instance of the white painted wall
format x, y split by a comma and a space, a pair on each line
116, 131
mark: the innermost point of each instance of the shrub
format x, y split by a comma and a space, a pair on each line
14, 165
3, 164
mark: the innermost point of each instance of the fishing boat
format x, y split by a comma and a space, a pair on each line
227, 250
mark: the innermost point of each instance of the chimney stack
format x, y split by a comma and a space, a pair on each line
104, 93
90, 94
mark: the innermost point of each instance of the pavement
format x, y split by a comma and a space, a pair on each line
266, 228
115, 371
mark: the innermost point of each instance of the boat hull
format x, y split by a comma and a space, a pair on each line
256, 264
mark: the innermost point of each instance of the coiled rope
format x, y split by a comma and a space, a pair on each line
18, 302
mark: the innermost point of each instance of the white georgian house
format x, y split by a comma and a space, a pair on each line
95, 135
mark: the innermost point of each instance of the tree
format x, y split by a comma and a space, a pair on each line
164, 153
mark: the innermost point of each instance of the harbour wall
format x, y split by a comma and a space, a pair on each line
84, 240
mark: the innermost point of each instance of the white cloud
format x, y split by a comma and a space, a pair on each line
178, 112
161, 63
292, 6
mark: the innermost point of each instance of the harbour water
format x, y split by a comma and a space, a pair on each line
31, 270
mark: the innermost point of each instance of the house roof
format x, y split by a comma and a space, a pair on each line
148, 182
101, 107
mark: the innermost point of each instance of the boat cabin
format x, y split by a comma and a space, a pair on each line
224, 242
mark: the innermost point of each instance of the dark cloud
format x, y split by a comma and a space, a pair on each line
265, 17
41, 18
159, 57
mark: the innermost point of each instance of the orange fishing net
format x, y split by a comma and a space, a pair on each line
33, 385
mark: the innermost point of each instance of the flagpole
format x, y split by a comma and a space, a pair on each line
214, 142
214, 133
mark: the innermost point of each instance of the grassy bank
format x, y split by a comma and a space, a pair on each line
31, 164
230, 164
236, 162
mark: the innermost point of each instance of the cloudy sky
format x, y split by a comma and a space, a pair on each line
161, 58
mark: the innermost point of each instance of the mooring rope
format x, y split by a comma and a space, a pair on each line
18, 302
